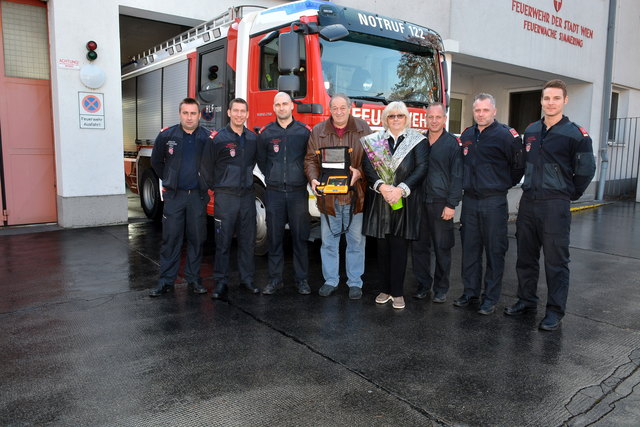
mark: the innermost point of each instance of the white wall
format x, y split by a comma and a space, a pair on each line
626, 49
88, 161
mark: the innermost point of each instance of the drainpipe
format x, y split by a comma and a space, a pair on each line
606, 100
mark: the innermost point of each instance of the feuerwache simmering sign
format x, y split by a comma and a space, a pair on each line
540, 21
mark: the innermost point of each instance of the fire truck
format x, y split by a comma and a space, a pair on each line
310, 49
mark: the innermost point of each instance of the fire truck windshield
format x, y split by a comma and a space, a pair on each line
375, 69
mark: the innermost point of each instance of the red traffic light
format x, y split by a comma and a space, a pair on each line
91, 47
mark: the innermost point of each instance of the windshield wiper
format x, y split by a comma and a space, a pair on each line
415, 103
371, 98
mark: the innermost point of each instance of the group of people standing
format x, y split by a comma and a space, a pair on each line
412, 206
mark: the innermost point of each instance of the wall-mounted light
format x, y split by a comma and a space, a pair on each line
92, 76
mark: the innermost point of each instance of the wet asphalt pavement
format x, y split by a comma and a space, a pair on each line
81, 342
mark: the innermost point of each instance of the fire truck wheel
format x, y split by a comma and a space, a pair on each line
261, 221
150, 195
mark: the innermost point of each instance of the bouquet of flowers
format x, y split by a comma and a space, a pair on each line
377, 149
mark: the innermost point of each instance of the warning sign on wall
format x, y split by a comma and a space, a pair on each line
91, 110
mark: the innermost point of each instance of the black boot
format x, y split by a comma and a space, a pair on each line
161, 289
220, 291
197, 288
422, 292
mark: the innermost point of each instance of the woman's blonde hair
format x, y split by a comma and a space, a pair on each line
397, 107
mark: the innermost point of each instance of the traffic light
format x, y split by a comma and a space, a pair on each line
213, 72
91, 47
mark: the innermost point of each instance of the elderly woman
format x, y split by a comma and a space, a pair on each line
393, 226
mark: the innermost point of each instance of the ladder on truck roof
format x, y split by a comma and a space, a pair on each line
190, 39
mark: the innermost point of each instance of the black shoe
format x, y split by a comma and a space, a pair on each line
465, 300
326, 290
355, 292
422, 292
220, 292
251, 288
271, 287
487, 309
520, 308
197, 288
304, 288
551, 322
439, 297
161, 289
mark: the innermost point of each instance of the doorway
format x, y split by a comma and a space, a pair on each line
524, 109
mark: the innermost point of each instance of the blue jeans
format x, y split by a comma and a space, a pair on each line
330, 250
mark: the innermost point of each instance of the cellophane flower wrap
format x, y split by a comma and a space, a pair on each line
377, 149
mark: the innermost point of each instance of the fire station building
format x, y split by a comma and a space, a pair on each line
61, 112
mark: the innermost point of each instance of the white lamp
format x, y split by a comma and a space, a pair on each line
92, 76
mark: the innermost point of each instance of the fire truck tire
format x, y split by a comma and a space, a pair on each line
150, 195
261, 221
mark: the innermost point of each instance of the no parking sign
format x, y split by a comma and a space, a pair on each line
91, 110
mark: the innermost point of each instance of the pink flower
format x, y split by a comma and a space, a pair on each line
379, 155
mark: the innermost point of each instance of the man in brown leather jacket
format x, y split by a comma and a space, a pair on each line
341, 129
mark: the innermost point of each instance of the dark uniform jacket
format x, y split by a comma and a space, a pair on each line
228, 161
492, 160
324, 135
281, 155
559, 161
444, 175
379, 219
166, 157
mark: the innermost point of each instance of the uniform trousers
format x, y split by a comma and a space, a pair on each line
484, 229
544, 224
436, 234
234, 214
184, 212
290, 207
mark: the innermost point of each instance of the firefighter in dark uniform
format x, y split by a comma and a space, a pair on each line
227, 165
559, 167
442, 191
282, 145
492, 163
175, 159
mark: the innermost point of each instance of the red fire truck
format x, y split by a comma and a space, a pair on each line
311, 49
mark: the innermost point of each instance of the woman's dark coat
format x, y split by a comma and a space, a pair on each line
379, 218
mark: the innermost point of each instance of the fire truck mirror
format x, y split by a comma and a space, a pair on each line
289, 53
289, 84
334, 32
